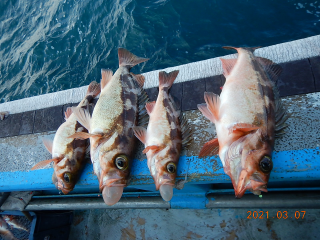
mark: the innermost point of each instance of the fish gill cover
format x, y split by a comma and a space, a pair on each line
48, 46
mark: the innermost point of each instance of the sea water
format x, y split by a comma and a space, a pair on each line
52, 45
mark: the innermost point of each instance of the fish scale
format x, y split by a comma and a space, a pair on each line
245, 120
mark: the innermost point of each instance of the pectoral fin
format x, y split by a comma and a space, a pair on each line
150, 106
140, 133
210, 148
48, 144
84, 135
44, 163
155, 148
243, 128
106, 77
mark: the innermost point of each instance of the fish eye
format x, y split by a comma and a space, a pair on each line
121, 162
266, 164
67, 177
171, 167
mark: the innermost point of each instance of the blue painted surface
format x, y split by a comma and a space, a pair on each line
189, 201
296, 165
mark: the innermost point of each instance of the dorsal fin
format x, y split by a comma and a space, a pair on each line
210, 148
67, 113
227, 65
128, 59
272, 69
83, 117
150, 106
48, 144
106, 75
139, 78
186, 131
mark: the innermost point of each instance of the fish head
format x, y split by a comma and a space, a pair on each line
250, 163
114, 173
163, 168
65, 175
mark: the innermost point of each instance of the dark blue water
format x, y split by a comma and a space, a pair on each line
47, 46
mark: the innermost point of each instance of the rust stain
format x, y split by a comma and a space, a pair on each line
273, 232
141, 221
213, 226
223, 224
78, 220
260, 230
143, 233
192, 235
128, 233
232, 235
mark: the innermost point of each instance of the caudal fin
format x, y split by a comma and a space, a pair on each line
93, 89
128, 59
251, 49
167, 79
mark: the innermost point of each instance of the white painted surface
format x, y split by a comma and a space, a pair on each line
284, 52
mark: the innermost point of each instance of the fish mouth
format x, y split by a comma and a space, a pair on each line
63, 189
252, 183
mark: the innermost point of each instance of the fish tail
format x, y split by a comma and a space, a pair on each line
128, 59
251, 49
166, 79
93, 89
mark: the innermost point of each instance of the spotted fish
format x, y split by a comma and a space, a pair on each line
13, 223
5, 232
163, 139
247, 116
110, 127
68, 155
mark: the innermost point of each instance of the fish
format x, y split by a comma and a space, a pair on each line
13, 223
110, 127
3, 115
248, 115
5, 232
68, 155
163, 138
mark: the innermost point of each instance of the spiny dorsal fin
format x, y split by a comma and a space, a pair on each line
140, 133
128, 59
213, 104
83, 117
44, 163
93, 89
150, 106
272, 69
227, 65
106, 75
67, 113
139, 78
186, 131
48, 144
210, 148
167, 79
143, 117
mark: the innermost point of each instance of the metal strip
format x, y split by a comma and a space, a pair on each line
96, 203
269, 200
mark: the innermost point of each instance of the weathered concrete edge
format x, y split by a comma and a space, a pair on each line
280, 53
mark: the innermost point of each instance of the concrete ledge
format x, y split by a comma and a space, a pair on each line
280, 53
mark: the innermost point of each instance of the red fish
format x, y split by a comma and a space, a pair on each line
163, 138
247, 116
68, 155
110, 127
5, 232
